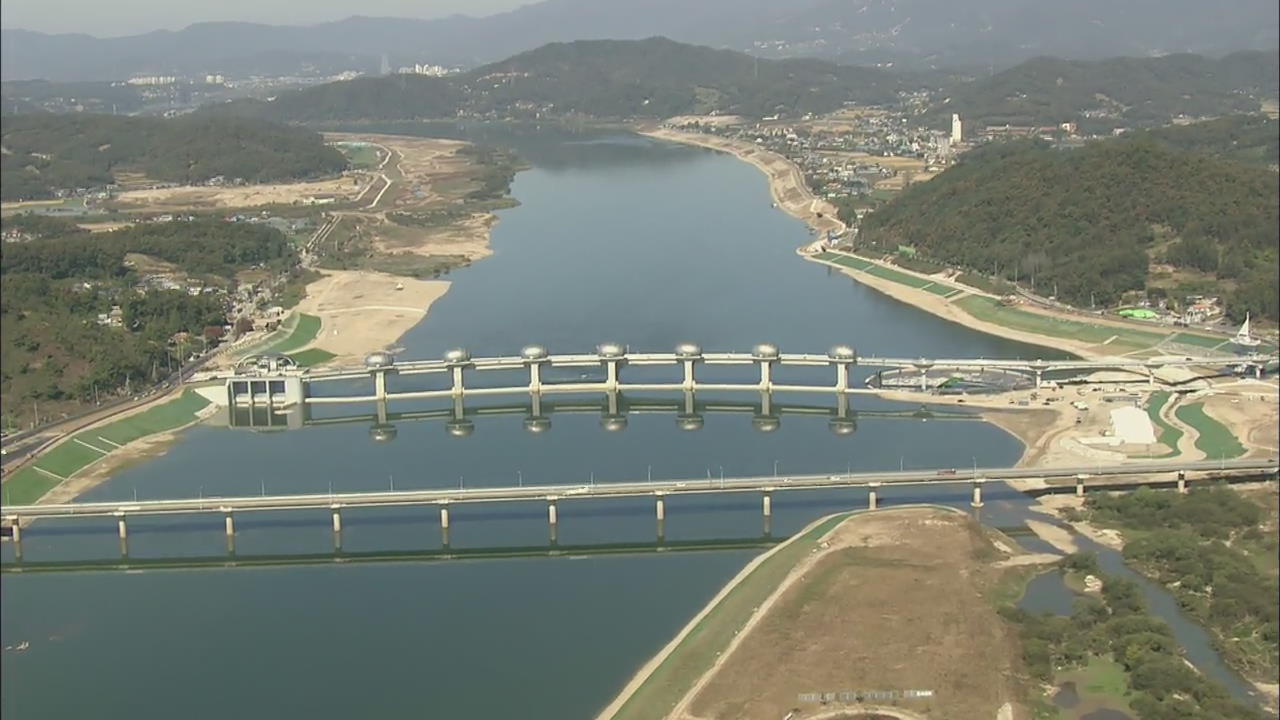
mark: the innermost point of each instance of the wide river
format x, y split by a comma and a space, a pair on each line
617, 238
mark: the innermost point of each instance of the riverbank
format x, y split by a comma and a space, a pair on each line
786, 182
755, 659
1089, 337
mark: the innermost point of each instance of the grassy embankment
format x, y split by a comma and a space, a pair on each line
696, 653
87, 447
1215, 440
297, 331
1117, 339
1169, 435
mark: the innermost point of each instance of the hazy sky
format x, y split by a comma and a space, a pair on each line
128, 17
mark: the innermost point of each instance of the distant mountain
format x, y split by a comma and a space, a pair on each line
917, 33
651, 78
1114, 92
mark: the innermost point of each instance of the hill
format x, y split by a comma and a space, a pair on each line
1095, 222
1250, 139
921, 33
1117, 92
45, 152
653, 78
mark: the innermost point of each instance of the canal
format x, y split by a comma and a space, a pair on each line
617, 238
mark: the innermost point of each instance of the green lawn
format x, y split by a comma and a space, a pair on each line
989, 310
1204, 341
1215, 440
697, 652
312, 356
1101, 684
360, 156
69, 456
1169, 435
304, 331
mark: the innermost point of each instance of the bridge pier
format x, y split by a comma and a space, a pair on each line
230, 524
380, 385
123, 530
552, 533
16, 526
766, 355
1039, 379
1079, 486
611, 356
767, 509
977, 492
842, 356
337, 527
457, 361
661, 512
1182, 481
871, 494
444, 525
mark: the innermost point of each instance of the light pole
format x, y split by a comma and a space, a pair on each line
775, 468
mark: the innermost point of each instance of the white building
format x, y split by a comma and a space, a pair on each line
957, 131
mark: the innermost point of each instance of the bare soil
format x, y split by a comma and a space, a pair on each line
895, 601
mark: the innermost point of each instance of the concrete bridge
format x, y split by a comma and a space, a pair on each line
272, 380
875, 482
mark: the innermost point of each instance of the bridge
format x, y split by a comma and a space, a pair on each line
275, 380
15, 516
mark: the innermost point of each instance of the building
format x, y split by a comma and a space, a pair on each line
957, 130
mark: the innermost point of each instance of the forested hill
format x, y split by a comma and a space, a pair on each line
1119, 92
1098, 220
44, 152
652, 78
1251, 139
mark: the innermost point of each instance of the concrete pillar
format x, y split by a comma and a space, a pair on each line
444, 525
688, 403
924, 380
767, 509
230, 523
661, 512
535, 402
381, 410
611, 373
689, 381
1257, 371
1039, 379
1182, 481
766, 404
977, 492
270, 400
766, 374
871, 495
380, 385
535, 377
842, 377
1079, 487
123, 528
459, 385
551, 520
16, 526
337, 528
611, 403
1151, 377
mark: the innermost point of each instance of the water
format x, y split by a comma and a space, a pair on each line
617, 239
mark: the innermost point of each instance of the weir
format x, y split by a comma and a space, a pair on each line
275, 381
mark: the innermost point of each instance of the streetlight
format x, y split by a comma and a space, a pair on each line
775, 468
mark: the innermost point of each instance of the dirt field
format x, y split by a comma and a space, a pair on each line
894, 602
245, 196
362, 311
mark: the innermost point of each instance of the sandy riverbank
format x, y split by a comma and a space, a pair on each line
361, 311
786, 182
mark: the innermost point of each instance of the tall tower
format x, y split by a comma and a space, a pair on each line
386, 65
957, 132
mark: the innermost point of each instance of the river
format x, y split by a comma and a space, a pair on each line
617, 238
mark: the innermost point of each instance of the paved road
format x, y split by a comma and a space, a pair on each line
623, 489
